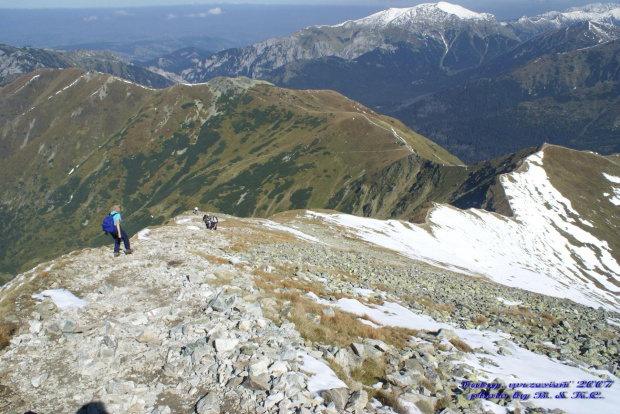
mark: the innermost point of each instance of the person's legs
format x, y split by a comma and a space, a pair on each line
125, 238
117, 242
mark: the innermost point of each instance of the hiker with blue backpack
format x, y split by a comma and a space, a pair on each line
112, 225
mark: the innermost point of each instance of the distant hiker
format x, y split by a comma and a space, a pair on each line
116, 231
214, 221
195, 210
207, 219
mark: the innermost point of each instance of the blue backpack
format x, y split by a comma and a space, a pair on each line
108, 224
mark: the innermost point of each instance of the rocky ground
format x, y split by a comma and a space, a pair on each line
246, 319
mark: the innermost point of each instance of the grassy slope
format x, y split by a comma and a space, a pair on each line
236, 146
578, 176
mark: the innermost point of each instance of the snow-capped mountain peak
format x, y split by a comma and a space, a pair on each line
608, 13
426, 12
460, 12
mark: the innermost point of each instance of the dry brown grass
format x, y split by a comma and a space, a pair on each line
549, 317
22, 292
236, 247
607, 335
407, 297
222, 279
175, 263
370, 372
211, 258
7, 330
439, 307
424, 382
481, 319
389, 398
342, 329
461, 345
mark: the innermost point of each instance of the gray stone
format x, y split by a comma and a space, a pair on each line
357, 401
53, 329
225, 344
256, 383
259, 368
339, 396
274, 399
35, 326
208, 404
68, 326
221, 303
39, 380
380, 345
358, 349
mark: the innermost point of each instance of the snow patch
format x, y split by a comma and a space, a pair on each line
460, 12
615, 198
516, 365
26, 84
364, 292
323, 377
507, 302
143, 235
612, 178
530, 251
62, 298
276, 226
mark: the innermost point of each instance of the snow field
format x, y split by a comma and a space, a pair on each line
527, 371
532, 251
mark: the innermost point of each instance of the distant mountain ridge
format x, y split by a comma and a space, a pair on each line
466, 37
17, 61
393, 59
606, 13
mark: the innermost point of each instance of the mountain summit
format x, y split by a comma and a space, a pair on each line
457, 38
426, 13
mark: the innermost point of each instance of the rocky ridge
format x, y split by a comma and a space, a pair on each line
230, 321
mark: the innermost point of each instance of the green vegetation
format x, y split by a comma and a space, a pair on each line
255, 157
299, 199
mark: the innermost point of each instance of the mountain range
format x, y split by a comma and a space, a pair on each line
391, 60
17, 61
71, 141
419, 63
358, 265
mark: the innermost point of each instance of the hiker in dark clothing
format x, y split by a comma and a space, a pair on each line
119, 234
214, 221
207, 219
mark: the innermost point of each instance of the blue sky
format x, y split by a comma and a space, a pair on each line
476, 5
88, 23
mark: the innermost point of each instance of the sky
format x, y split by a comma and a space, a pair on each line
96, 24
476, 5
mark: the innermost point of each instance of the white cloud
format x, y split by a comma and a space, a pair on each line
171, 16
214, 11
122, 13
90, 18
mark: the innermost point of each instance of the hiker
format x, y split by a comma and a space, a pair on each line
195, 210
207, 219
213, 222
118, 233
